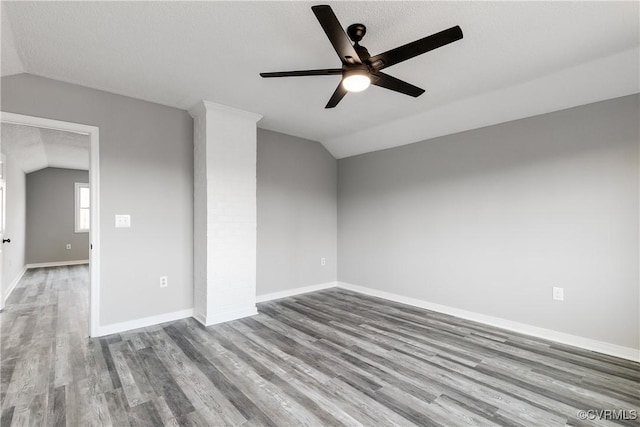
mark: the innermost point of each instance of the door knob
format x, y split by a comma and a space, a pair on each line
6, 240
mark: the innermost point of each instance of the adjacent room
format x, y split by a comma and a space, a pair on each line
297, 213
47, 200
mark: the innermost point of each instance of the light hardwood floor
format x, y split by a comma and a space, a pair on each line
326, 358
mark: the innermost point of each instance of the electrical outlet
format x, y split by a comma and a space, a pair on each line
68, 246
164, 281
323, 261
558, 294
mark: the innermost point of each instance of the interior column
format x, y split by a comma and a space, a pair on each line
225, 218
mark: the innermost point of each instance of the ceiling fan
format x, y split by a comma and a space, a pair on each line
359, 69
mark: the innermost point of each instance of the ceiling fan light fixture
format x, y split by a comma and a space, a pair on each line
356, 80
359, 69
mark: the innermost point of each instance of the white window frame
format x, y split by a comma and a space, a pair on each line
78, 186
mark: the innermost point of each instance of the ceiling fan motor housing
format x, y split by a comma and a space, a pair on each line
351, 70
362, 52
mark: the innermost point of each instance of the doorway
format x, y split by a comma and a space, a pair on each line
92, 132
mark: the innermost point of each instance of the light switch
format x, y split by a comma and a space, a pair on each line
123, 221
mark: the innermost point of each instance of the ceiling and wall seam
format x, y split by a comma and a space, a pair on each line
504, 45
630, 59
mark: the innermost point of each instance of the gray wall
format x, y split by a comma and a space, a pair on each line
51, 216
146, 170
297, 213
489, 220
13, 253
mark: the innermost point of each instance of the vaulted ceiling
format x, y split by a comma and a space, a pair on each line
517, 59
36, 148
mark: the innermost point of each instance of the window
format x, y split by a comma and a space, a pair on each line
83, 207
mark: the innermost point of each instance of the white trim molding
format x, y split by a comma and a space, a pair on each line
295, 291
57, 263
203, 106
523, 328
200, 317
226, 315
13, 285
116, 328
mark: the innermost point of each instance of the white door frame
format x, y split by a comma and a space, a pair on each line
94, 184
3, 208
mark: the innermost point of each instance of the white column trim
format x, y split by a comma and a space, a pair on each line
224, 212
203, 107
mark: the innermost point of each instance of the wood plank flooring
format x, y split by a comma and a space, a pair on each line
329, 358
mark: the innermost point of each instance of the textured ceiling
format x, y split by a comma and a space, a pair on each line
37, 148
517, 59
10, 63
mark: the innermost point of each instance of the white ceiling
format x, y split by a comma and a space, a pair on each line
517, 59
36, 148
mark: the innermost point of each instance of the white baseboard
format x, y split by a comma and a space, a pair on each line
226, 315
200, 317
13, 285
57, 263
523, 328
295, 291
116, 328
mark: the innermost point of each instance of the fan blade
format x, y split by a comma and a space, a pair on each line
336, 34
389, 82
413, 49
337, 96
327, 72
